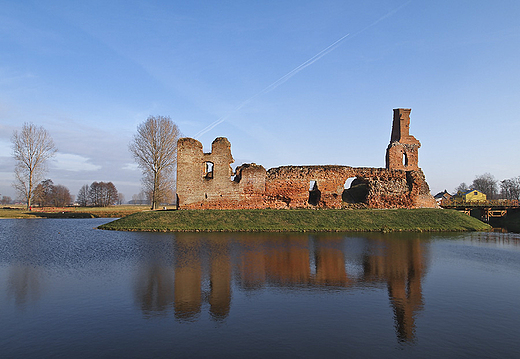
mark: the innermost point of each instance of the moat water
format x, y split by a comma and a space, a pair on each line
68, 290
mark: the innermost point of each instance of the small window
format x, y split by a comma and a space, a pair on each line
208, 170
475, 193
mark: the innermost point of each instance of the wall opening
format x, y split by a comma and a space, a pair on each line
405, 159
314, 193
348, 182
357, 191
208, 170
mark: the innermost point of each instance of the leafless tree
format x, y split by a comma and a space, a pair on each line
510, 188
102, 194
487, 184
83, 195
6, 200
42, 194
154, 148
61, 196
48, 194
463, 187
32, 147
139, 198
120, 198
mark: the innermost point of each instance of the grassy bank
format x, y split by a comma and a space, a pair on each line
71, 212
298, 221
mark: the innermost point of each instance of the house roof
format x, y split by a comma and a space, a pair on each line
472, 190
442, 194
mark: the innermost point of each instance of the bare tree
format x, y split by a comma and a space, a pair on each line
32, 147
463, 187
83, 196
6, 200
510, 188
487, 184
154, 148
61, 196
42, 194
102, 194
120, 198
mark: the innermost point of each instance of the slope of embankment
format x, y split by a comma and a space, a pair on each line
298, 220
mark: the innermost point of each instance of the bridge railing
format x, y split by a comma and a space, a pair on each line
506, 203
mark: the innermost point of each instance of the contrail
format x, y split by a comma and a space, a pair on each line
275, 84
297, 69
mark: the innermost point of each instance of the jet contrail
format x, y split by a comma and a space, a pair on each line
275, 84
297, 69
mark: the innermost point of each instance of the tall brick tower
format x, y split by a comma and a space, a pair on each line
402, 152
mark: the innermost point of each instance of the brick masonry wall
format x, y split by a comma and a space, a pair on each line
206, 180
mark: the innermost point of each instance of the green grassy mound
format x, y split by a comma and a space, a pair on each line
301, 220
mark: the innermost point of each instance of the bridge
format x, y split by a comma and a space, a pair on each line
488, 208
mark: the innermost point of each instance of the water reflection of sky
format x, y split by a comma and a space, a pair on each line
65, 269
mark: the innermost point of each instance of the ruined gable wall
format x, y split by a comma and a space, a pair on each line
189, 171
403, 151
195, 185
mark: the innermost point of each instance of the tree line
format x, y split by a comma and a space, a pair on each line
154, 148
98, 194
46, 194
492, 188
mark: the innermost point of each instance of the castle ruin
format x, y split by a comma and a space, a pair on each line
207, 181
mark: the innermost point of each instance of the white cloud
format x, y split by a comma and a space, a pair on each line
74, 163
130, 167
5, 149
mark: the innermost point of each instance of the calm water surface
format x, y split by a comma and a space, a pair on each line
69, 290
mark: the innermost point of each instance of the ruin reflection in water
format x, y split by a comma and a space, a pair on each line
205, 265
69, 290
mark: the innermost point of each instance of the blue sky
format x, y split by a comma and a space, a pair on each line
90, 71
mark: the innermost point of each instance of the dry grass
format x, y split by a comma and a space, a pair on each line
19, 211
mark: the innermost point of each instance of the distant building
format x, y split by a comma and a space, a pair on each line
444, 195
471, 195
474, 195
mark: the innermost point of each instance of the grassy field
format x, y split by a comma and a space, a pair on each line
300, 220
71, 212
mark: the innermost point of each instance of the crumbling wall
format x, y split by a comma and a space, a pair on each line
402, 152
207, 181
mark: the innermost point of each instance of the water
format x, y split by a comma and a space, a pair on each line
69, 290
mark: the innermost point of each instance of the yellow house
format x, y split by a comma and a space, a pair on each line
473, 195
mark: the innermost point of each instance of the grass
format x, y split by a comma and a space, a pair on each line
298, 220
71, 212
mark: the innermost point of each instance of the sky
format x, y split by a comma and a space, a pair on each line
287, 82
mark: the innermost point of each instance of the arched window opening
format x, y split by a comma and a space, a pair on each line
314, 193
348, 182
357, 192
208, 170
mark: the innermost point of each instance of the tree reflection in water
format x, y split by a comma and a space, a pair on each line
203, 267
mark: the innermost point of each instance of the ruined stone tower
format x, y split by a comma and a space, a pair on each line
402, 152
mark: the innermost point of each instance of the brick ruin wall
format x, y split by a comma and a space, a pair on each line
207, 181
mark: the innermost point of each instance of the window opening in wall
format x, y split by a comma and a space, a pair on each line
357, 192
314, 193
208, 170
348, 182
405, 160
